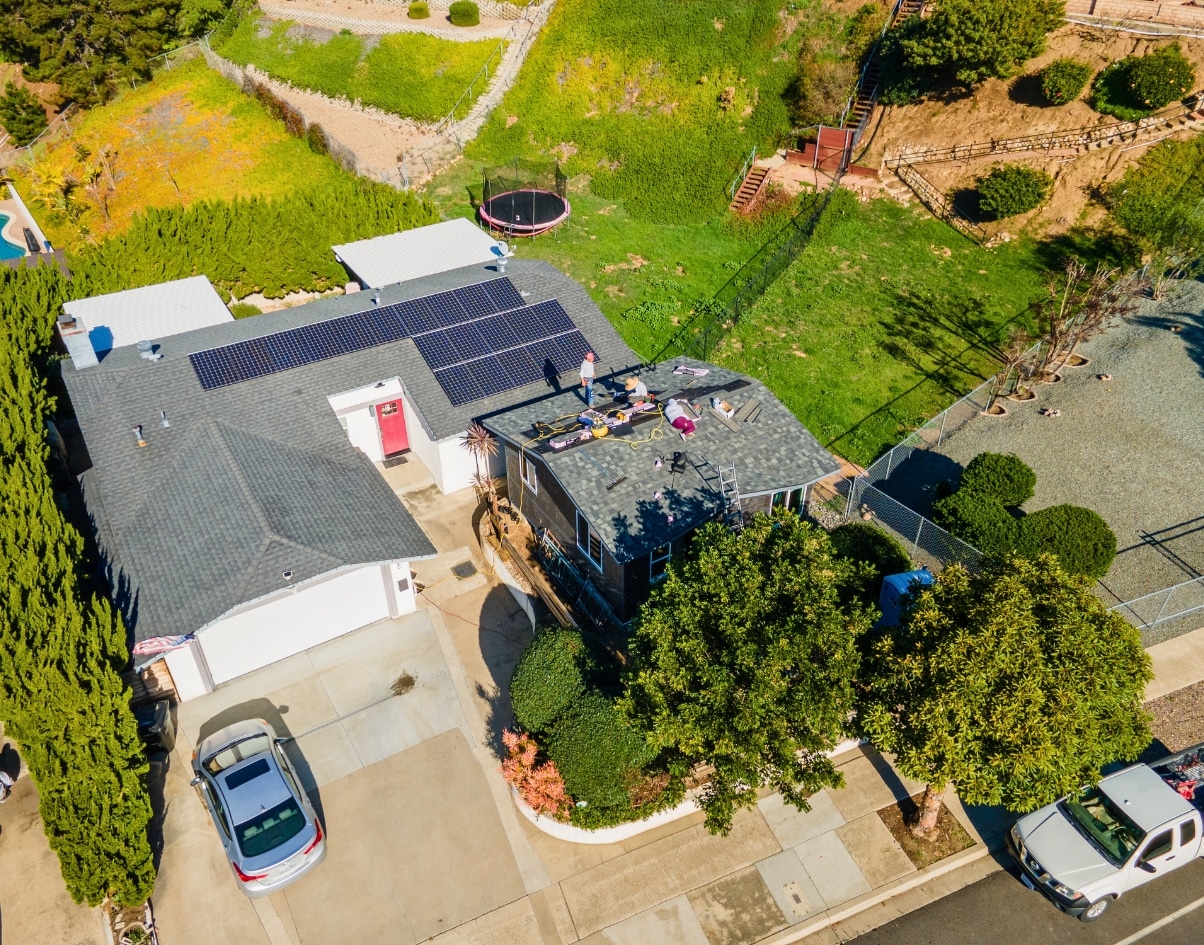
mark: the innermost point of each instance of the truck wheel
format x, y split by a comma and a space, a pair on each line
1096, 909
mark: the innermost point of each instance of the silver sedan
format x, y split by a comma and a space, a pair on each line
271, 833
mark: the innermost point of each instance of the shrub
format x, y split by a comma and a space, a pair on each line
1161, 77
547, 678
598, 755
464, 13
1063, 80
1111, 94
867, 543
419, 10
1002, 476
979, 520
539, 785
1079, 537
1011, 189
244, 310
315, 137
21, 114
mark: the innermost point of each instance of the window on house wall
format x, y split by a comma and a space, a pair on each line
658, 563
526, 469
589, 542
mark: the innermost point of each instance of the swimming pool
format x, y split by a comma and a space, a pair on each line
8, 250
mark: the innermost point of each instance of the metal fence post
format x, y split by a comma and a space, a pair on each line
848, 508
941, 436
890, 459
915, 545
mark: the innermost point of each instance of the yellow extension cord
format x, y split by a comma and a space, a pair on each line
656, 433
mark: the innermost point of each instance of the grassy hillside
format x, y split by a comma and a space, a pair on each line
884, 323
658, 101
189, 135
408, 74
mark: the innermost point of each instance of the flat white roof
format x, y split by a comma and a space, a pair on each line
150, 313
412, 254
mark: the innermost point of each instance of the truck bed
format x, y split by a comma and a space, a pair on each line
1185, 773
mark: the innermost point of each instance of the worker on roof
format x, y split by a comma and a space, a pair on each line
675, 413
588, 373
637, 391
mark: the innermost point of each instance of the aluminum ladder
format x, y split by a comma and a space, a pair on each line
733, 514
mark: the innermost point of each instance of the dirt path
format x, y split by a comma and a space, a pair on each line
370, 18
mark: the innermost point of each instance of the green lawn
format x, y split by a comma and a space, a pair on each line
643, 275
658, 101
883, 323
407, 74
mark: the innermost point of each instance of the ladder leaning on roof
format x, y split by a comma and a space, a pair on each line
733, 514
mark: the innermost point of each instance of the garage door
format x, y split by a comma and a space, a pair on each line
283, 626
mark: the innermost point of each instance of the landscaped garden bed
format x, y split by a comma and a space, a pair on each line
948, 838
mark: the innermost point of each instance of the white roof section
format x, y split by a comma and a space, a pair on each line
412, 254
150, 313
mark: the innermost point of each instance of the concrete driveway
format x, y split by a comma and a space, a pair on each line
416, 844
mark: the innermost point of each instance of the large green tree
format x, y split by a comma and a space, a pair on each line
61, 695
979, 39
743, 660
21, 113
1015, 685
87, 46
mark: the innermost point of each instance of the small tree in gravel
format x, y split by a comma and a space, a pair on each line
1015, 685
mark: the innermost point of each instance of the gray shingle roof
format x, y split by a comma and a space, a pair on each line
257, 478
772, 453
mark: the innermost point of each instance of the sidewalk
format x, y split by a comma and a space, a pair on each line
778, 877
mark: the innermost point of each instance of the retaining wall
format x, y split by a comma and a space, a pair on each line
1172, 14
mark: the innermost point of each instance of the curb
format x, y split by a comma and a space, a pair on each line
875, 898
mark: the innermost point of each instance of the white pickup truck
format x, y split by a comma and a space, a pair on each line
1090, 848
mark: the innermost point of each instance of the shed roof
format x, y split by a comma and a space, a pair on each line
635, 506
413, 254
149, 313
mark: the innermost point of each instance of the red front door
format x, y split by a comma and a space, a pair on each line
392, 422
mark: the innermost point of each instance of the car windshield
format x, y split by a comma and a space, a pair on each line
1105, 824
230, 755
264, 833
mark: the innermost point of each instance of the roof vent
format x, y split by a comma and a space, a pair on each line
148, 352
163, 417
138, 435
287, 575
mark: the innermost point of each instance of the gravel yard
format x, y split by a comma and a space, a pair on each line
1131, 448
1178, 718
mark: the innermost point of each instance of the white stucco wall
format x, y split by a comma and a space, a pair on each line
451, 466
276, 627
188, 671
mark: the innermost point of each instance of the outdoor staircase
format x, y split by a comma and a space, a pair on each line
867, 96
733, 514
754, 181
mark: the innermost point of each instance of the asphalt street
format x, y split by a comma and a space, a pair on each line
1000, 911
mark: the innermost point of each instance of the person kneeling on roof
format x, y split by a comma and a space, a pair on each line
675, 413
637, 391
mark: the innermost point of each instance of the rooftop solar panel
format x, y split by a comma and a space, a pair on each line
269, 354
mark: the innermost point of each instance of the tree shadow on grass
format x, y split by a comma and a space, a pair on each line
968, 202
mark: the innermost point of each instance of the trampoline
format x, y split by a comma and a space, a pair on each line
524, 199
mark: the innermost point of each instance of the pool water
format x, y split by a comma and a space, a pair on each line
8, 250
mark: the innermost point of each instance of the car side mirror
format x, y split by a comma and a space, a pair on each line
195, 781
1148, 867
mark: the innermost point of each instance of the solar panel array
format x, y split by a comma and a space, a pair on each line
512, 350
296, 347
479, 340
